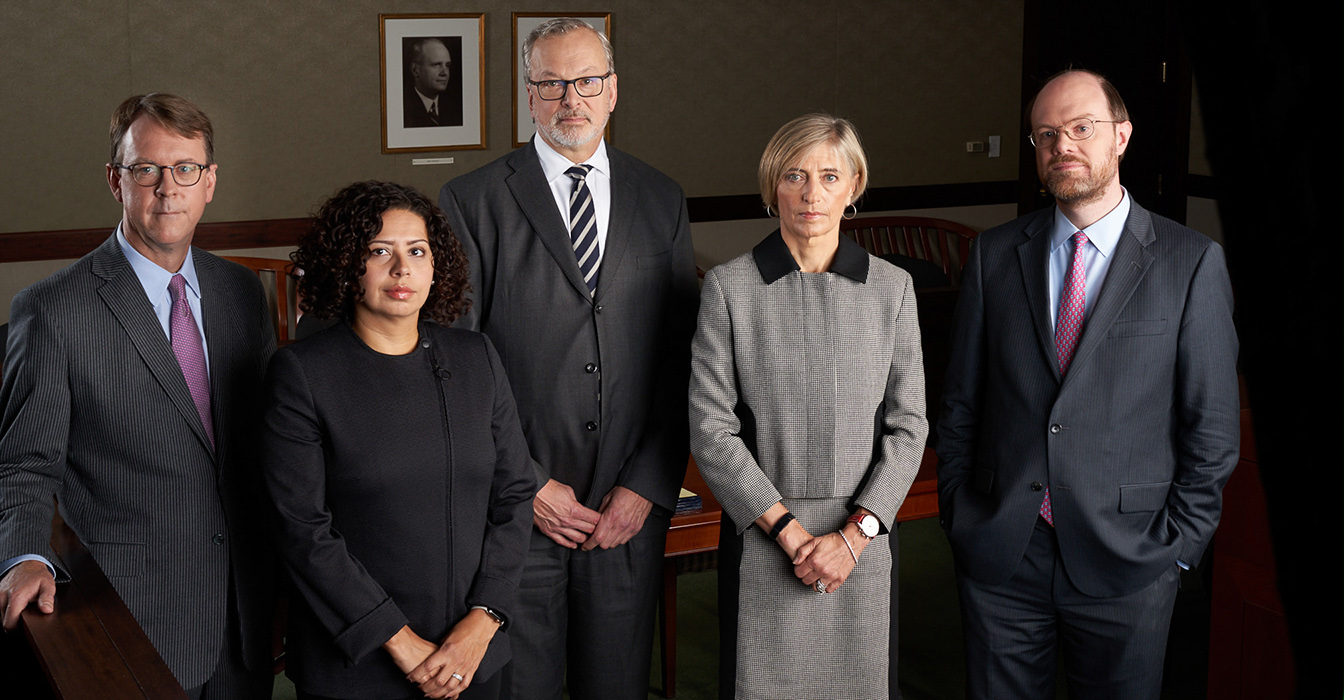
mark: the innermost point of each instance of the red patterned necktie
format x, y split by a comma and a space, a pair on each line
1072, 301
186, 341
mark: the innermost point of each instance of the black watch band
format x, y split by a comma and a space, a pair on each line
780, 524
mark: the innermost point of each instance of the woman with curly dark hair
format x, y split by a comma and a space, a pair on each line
394, 456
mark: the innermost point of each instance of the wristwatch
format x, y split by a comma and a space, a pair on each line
499, 620
868, 524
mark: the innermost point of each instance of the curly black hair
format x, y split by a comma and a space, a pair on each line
331, 255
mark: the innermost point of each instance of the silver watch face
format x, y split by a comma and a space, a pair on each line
869, 526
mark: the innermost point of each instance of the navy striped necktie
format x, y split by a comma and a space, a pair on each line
583, 226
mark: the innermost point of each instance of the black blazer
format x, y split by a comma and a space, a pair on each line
600, 380
1135, 442
96, 412
404, 498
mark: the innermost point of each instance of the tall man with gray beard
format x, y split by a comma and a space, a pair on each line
583, 276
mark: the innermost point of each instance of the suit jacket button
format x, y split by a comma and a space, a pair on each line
1036, 486
591, 426
598, 308
219, 539
590, 368
1054, 429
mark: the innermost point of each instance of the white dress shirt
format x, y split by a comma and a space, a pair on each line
554, 165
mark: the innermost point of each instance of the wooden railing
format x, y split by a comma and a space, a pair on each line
90, 647
224, 235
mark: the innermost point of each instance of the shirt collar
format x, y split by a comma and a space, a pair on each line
153, 278
430, 102
554, 165
1104, 234
774, 260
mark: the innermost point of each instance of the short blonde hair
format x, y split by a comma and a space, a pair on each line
794, 140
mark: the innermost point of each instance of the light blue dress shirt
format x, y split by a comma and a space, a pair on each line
155, 281
1102, 238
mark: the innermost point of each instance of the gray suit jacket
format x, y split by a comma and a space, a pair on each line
1134, 443
600, 381
97, 413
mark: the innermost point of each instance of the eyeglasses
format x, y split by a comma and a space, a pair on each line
1080, 129
150, 175
551, 90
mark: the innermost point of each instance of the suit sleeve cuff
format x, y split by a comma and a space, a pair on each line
371, 631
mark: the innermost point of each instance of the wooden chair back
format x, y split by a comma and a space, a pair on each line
939, 241
278, 283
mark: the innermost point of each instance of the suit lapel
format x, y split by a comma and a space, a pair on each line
624, 204
533, 194
220, 332
1032, 256
1122, 278
125, 298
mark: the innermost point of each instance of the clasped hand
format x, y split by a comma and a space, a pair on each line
560, 516
447, 669
825, 558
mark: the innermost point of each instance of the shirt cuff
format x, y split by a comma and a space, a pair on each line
15, 561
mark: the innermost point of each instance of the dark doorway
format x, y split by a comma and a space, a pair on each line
1138, 47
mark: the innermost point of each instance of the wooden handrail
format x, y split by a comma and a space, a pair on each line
91, 646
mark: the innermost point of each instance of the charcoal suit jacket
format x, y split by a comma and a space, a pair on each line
600, 380
1134, 443
97, 413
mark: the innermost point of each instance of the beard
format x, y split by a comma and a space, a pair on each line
573, 136
1075, 187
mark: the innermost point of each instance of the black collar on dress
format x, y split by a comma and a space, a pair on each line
774, 260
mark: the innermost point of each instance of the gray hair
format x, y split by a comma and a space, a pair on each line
558, 27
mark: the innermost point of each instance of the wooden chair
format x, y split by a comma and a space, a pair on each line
276, 280
942, 242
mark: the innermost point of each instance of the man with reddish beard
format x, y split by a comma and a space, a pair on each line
583, 276
1090, 419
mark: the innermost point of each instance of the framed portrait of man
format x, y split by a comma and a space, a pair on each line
523, 24
433, 82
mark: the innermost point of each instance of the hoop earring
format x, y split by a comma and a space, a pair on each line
769, 213
851, 216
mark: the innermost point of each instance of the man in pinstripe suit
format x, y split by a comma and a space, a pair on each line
1090, 419
129, 377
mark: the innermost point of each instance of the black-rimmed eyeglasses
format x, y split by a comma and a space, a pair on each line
150, 175
1080, 129
551, 90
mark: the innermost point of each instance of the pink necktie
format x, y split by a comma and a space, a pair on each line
1072, 301
186, 340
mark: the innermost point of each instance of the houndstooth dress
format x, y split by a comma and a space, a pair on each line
808, 389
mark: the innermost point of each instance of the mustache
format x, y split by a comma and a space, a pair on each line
1065, 158
571, 113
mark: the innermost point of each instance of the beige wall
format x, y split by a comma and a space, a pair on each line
293, 89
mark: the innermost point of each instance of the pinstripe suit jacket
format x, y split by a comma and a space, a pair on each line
1134, 443
600, 380
97, 413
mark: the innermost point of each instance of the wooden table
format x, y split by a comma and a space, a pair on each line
697, 532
